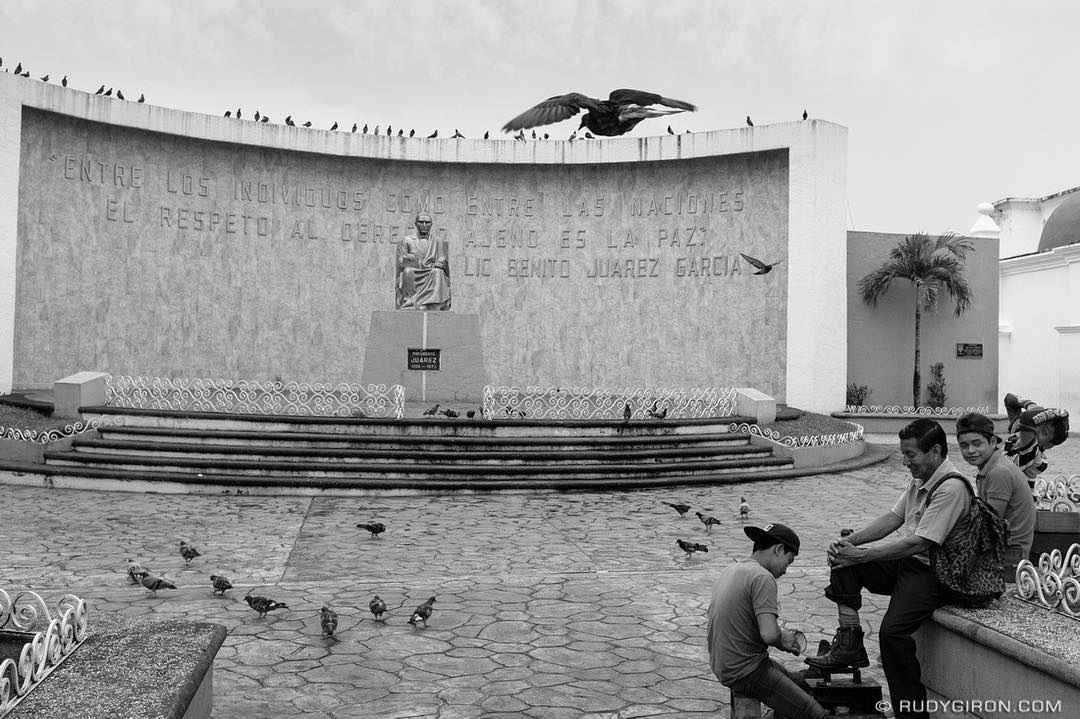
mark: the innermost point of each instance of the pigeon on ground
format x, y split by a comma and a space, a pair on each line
520, 136
18, 69
487, 135
265, 118
657, 415
589, 136
307, 124
188, 552
289, 122
680, 508
389, 131
376, 130
108, 93
376, 528
744, 508
364, 131
450, 413
262, 605
469, 414
433, 135
422, 613
456, 134
44, 78
228, 113
691, 547
119, 95
154, 582
431, 411
328, 619
377, 607
334, 126
670, 131
142, 98
626, 412
804, 115
573, 136
354, 126
707, 520
221, 584
617, 115
238, 116
547, 136
257, 116
749, 122
101, 90
134, 570
762, 268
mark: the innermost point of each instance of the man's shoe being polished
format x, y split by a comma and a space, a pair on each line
847, 651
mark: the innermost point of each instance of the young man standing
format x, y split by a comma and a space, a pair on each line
742, 627
899, 568
1000, 483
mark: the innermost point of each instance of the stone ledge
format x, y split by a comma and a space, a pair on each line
132, 669
893, 423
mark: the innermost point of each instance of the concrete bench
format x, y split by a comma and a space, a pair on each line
82, 389
750, 402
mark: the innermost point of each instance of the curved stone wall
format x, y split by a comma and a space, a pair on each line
154, 241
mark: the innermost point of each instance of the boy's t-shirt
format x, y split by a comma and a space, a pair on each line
741, 592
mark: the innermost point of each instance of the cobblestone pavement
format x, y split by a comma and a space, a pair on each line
548, 605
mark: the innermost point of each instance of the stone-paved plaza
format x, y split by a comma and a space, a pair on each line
548, 605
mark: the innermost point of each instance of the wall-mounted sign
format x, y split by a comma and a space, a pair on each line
425, 359
969, 350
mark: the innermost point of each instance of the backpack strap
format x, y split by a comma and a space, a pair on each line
950, 475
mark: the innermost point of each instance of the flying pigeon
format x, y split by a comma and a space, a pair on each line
188, 552
135, 571
154, 582
615, 116
262, 605
762, 268
626, 412
377, 607
450, 413
680, 508
691, 547
422, 613
376, 528
328, 619
749, 122
707, 520
744, 508
431, 411
221, 584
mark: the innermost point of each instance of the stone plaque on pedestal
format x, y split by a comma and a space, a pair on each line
396, 335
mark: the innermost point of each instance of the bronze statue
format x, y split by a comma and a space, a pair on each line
423, 270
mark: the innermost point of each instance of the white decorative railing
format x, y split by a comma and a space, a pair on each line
50, 640
52, 435
814, 440
1054, 584
253, 397
599, 403
1058, 495
921, 411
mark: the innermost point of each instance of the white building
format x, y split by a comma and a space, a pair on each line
1039, 296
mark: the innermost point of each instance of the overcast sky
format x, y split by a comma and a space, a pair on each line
948, 103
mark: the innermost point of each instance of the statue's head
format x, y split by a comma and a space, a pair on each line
423, 223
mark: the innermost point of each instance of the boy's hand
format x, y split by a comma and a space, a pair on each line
789, 643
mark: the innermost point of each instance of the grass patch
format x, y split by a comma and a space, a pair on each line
811, 425
19, 418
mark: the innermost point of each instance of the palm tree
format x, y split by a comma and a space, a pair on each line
930, 265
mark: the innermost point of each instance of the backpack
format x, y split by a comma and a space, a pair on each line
970, 563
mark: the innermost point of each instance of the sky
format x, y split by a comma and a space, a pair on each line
947, 103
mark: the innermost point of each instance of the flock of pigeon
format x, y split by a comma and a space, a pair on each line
653, 412
328, 618
709, 522
617, 115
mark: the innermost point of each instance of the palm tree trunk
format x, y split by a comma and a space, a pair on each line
916, 380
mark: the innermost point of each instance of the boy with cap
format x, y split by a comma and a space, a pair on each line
1032, 430
999, 483
742, 626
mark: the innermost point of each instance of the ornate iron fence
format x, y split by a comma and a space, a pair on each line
921, 411
52, 435
50, 639
253, 397
1054, 584
814, 440
1058, 495
601, 403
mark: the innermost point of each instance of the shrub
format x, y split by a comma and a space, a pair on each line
935, 390
857, 394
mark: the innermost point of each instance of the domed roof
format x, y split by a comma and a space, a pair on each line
1063, 227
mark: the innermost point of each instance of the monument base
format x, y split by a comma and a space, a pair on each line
461, 375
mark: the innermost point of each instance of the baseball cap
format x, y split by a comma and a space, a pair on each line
975, 422
777, 532
1059, 419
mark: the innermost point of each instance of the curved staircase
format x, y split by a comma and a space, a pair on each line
161, 450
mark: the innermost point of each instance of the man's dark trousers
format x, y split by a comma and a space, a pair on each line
915, 594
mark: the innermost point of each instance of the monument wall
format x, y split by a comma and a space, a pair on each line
152, 241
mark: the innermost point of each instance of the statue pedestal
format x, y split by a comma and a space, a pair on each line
461, 375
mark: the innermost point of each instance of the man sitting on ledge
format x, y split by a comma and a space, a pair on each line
423, 270
900, 568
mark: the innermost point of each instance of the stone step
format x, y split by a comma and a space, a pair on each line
324, 440
272, 470
504, 453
